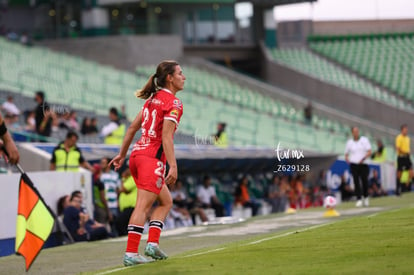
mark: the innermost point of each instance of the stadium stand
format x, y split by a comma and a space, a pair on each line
305, 61
252, 118
385, 59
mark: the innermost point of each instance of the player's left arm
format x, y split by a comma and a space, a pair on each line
168, 129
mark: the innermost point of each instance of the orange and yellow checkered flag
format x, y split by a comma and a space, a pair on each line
34, 223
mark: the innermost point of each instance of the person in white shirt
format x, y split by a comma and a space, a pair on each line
206, 195
9, 108
357, 151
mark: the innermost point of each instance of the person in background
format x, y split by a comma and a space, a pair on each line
67, 156
402, 146
30, 123
43, 115
242, 196
375, 188
7, 142
9, 108
220, 138
113, 133
206, 195
79, 224
94, 126
62, 203
273, 195
182, 200
112, 183
102, 213
380, 155
127, 201
357, 151
307, 113
346, 190
86, 126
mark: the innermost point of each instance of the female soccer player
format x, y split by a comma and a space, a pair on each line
158, 119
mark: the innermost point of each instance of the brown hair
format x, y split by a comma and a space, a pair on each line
157, 80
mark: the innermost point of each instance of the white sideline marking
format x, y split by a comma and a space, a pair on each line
286, 234
205, 252
115, 270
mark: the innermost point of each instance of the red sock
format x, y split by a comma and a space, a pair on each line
154, 232
134, 237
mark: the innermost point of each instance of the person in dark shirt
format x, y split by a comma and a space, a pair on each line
78, 223
43, 115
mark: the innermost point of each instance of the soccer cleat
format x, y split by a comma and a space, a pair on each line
366, 202
155, 252
135, 260
358, 203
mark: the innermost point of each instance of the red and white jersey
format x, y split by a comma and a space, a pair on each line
160, 106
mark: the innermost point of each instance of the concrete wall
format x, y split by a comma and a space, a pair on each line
293, 33
51, 185
336, 97
362, 27
121, 52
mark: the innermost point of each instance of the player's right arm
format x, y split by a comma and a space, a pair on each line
119, 159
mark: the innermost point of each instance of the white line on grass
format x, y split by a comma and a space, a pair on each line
205, 252
287, 234
114, 270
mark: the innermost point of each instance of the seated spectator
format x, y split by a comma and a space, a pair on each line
185, 206
206, 196
69, 121
62, 203
297, 195
25, 39
94, 126
30, 121
346, 191
73, 121
242, 196
374, 185
80, 226
9, 108
87, 128
274, 196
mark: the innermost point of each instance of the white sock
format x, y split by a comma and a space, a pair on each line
131, 254
153, 244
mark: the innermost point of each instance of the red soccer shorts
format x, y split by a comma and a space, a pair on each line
148, 172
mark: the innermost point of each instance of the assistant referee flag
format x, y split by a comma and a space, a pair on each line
34, 221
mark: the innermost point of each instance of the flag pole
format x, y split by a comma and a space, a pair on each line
20, 168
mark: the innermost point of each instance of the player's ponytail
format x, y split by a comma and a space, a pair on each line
157, 80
